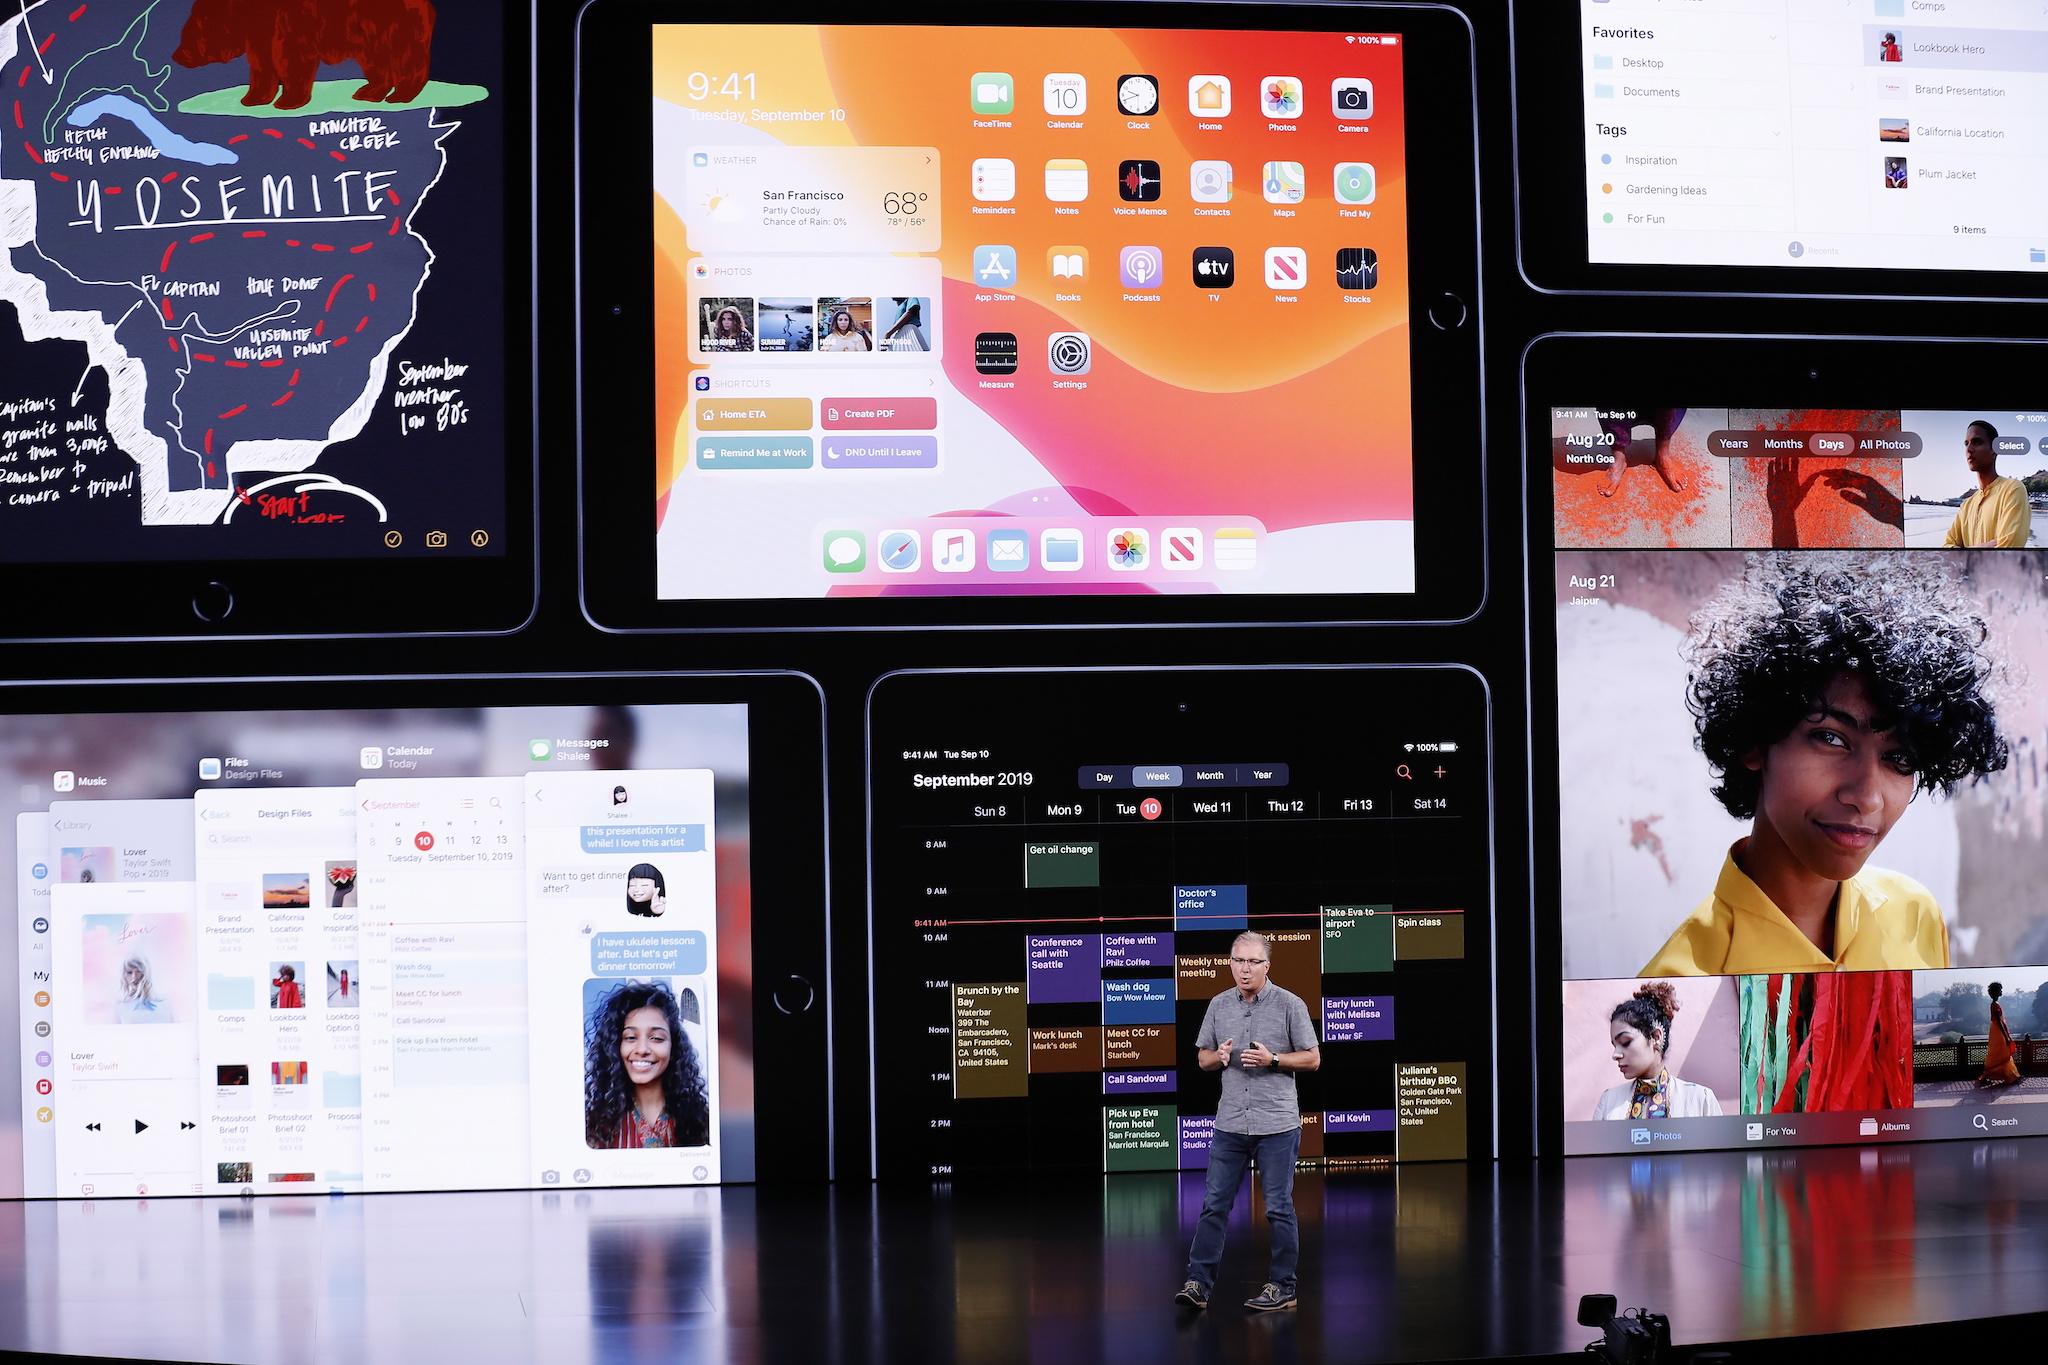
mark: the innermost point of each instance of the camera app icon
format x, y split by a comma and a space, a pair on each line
1351, 97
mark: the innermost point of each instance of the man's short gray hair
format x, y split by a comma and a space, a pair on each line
1254, 936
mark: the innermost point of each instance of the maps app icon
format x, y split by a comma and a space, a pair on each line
261, 213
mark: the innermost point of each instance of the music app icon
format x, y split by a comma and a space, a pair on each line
953, 551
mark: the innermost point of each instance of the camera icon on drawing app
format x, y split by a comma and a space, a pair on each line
1351, 97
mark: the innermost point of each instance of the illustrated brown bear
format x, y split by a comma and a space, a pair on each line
287, 42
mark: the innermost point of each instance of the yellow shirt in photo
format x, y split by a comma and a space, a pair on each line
1884, 921
1998, 516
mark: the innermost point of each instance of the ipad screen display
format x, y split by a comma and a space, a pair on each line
252, 305
291, 951
1879, 134
1800, 800
1058, 922
1007, 310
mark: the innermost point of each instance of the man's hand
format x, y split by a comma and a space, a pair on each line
1223, 1052
1257, 1057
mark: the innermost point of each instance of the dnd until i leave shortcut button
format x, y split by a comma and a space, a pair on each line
754, 452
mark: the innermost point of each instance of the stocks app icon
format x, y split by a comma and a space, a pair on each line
1215, 267
995, 353
1358, 267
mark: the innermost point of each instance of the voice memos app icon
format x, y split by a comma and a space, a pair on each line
1215, 267
995, 353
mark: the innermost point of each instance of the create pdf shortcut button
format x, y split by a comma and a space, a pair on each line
879, 414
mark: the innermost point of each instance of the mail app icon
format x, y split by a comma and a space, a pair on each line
1009, 551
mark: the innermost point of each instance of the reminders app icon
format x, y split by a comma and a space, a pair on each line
1059, 549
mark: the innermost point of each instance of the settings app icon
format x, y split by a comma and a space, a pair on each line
1069, 352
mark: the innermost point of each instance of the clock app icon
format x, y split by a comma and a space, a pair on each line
1137, 95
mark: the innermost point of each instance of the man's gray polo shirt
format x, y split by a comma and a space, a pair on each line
1257, 1101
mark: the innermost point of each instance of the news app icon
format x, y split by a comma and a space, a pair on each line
1286, 267
1137, 182
1215, 267
1181, 547
1351, 97
1358, 267
995, 353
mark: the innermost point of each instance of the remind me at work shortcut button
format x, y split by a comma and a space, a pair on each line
754, 452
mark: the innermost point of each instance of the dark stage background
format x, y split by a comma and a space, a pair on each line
1511, 314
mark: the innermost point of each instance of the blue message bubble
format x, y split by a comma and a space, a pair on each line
642, 838
670, 952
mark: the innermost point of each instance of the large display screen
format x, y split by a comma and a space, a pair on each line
1896, 135
1799, 794
1062, 311
253, 304
1053, 910
279, 951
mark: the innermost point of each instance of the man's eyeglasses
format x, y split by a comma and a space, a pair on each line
1247, 962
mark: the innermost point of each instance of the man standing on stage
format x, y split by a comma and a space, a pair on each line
1258, 1036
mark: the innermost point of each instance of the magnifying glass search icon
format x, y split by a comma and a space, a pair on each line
1401, 771
496, 804
1977, 1121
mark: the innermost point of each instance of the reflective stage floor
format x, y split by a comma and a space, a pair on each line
1430, 1262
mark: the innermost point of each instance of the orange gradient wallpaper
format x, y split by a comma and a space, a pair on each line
998, 310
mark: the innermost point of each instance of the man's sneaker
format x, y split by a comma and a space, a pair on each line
1270, 1299
1192, 1295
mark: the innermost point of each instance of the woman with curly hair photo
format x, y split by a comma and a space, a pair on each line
1827, 691
1639, 1039
642, 1085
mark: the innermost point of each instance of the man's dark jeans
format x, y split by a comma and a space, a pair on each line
1229, 1154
